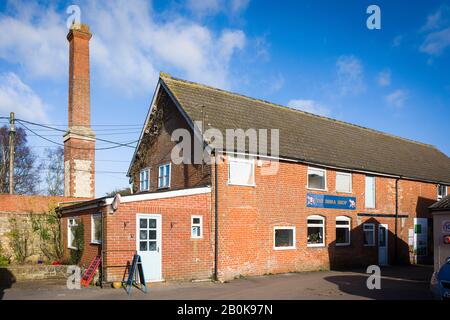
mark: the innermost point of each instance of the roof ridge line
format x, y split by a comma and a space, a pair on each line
192, 83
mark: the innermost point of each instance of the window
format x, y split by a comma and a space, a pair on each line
343, 182
369, 234
317, 178
96, 228
316, 231
196, 227
71, 226
284, 238
241, 171
144, 180
442, 191
370, 192
164, 176
343, 225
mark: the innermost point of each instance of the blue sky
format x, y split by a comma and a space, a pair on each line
317, 56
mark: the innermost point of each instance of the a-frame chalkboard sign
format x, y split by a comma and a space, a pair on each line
136, 275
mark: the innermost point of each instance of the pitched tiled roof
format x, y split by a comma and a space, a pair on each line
442, 204
311, 138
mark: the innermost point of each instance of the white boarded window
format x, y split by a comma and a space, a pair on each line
284, 238
370, 192
369, 234
196, 227
241, 171
144, 180
316, 231
317, 178
343, 225
343, 182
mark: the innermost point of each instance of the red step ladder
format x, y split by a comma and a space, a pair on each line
89, 273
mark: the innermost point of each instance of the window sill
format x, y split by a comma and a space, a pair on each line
196, 238
72, 248
315, 246
96, 242
346, 192
162, 188
315, 189
241, 185
284, 248
342, 244
368, 245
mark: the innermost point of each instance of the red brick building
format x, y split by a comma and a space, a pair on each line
326, 194
322, 208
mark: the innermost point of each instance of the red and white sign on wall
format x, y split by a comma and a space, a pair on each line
446, 239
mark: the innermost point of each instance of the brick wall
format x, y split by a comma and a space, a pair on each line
183, 258
90, 249
159, 151
248, 215
20, 207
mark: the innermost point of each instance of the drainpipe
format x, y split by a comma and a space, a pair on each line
396, 222
216, 219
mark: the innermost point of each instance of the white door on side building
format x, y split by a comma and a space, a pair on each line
148, 245
383, 244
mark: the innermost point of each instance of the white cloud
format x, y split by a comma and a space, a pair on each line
276, 83
19, 98
35, 39
350, 75
238, 6
204, 7
437, 19
397, 98
437, 32
128, 48
309, 106
212, 7
384, 78
436, 42
397, 41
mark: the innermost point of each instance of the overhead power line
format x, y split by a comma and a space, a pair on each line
117, 144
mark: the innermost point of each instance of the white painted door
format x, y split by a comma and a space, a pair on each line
383, 244
148, 245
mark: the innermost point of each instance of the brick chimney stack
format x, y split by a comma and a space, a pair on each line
79, 140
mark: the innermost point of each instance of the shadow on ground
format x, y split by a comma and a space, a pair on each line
6, 280
396, 284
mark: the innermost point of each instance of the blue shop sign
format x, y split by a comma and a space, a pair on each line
330, 202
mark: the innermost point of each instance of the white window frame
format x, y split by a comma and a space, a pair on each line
348, 227
170, 175
200, 225
148, 179
324, 175
69, 232
241, 159
439, 197
373, 234
351, 181
293, 237
93, 216
323, 225
374, 193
